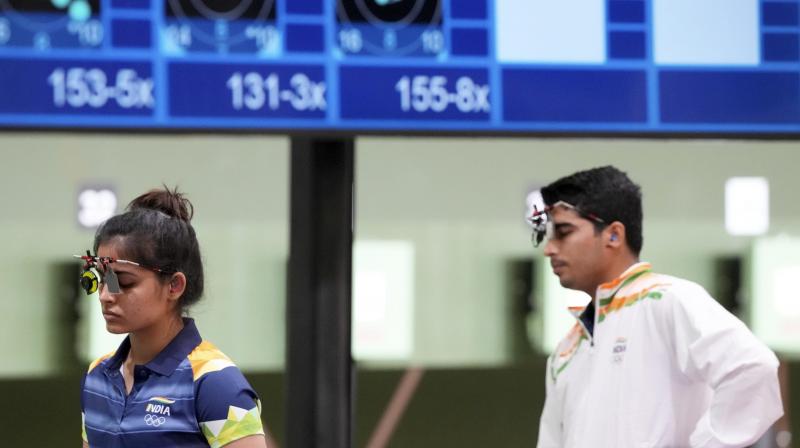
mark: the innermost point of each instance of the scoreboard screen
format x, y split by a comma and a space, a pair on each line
471, 66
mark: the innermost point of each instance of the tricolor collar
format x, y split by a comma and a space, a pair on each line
605, 293
608, 290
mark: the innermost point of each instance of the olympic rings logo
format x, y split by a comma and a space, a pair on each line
154, 420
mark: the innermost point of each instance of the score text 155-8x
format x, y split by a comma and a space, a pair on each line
430, 93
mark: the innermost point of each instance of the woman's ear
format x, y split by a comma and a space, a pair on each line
177, 285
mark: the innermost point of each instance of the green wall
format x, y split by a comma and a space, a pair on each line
459, 201
239, 187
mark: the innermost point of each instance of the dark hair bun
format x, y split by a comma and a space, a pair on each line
170, 202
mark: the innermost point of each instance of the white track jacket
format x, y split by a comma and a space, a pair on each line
667, 367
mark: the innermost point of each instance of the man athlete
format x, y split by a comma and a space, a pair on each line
653, 360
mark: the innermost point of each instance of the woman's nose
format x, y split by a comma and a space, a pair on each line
105, 296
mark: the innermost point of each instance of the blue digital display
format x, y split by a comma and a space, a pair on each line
473, 66
425, 94
247, 90
79, 87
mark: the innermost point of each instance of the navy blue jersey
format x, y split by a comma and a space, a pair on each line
190, 395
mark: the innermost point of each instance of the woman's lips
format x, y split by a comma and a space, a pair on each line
108, 315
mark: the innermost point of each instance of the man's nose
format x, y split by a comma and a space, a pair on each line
550, 248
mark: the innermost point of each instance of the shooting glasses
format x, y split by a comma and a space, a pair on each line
98, 270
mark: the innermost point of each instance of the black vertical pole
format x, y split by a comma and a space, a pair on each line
318, 367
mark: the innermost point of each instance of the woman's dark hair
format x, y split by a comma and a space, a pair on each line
605, 192
155, 231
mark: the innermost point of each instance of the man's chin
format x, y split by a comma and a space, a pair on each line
566, 282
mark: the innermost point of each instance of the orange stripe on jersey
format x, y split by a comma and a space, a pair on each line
576, 333
207, 358
97, 361
614, 283
619, 302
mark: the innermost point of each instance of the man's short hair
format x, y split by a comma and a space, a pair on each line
605, 192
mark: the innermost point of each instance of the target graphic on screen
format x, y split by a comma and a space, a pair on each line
390, 27
214, 26
49, 24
